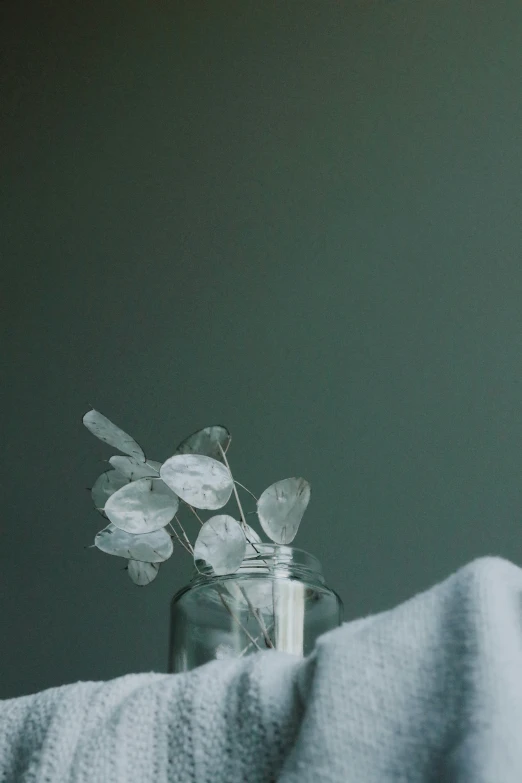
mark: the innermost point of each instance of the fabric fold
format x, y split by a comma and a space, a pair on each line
428, 692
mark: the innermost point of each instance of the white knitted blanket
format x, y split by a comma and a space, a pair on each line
428, 692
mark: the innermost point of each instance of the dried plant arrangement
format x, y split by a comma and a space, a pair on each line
144, 499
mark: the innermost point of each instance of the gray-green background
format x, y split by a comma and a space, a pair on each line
300, 219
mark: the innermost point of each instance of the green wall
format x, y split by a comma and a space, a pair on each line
300, 219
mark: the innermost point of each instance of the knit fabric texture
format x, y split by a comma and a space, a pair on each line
428, 692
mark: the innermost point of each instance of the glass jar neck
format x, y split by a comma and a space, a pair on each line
270, 560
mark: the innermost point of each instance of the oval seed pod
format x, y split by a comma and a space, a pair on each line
105, 430
221, 543
105, 486
132, 469
201, 481
149, 548
281, 507
142, 506
206, 441
142, 573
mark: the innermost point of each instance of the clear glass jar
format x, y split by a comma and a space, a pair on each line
278, 599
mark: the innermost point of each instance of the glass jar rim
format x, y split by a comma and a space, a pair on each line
267, 560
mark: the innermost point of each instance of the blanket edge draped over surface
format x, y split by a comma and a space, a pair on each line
429, 691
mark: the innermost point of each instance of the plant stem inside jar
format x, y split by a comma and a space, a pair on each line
282, 630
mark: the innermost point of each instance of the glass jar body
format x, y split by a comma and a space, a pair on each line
277, 599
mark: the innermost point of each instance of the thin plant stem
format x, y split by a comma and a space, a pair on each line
240, 507
194, 512
185, 547
238, 621
246, 490
245, 649
259, 618
183, 533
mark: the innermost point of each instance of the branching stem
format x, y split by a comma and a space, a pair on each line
243, 518
246, 490
180, 541
237, 620
259, 617
194, 512
190, 547
245, 649
240, 507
